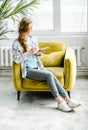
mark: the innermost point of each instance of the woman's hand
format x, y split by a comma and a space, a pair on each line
38, 53
32, 50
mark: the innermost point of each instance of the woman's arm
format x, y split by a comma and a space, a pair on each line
17, 53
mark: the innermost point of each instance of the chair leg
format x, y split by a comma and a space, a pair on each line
69, 94
18, 95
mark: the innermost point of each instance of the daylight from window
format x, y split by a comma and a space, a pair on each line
73, 15
43, 19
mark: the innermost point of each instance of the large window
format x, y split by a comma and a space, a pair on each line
73, 15
56, 17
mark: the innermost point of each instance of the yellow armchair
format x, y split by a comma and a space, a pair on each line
59, 59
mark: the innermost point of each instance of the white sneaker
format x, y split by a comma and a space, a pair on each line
64, 107
73, 104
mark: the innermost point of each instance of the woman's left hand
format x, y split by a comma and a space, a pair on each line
38, 53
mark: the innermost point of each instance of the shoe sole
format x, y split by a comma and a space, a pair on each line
75, 106
64, 111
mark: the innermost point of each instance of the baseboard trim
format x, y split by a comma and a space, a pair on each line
82, 70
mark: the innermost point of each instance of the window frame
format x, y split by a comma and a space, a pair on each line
56, 32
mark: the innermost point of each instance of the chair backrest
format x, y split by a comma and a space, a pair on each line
54, 56
53, 46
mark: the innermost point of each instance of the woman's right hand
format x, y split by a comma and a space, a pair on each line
32, 50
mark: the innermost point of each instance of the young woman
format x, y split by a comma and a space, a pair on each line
23, 49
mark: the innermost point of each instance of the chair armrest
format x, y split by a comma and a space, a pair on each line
16, 75
69, 69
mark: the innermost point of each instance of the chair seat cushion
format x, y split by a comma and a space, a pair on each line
53, 59
42, 86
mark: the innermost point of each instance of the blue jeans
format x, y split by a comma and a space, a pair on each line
44, 74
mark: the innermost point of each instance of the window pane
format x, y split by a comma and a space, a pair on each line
73, 15
43, 18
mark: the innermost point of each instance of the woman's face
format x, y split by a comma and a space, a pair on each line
29, 29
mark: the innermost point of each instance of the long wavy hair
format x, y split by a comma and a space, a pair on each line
22, 29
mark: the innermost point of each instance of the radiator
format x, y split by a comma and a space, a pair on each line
5, 56
79, 52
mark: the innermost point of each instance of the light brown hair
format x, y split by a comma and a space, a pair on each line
22, 29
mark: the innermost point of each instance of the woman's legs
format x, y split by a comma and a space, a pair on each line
61, 90
54, 86
46, 75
